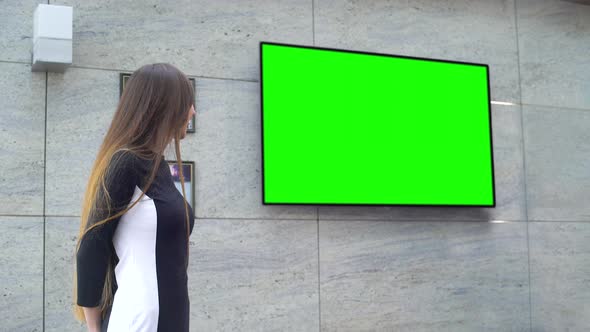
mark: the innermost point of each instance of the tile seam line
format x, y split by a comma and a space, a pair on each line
257, 81
44, 189
317, 209
546, 107
313, 22
313, 218
524, 172
497, 221
44, 195
119, 70
319, 272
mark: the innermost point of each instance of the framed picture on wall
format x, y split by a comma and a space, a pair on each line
188, 168
123, 77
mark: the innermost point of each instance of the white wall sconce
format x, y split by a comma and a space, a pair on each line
52, 38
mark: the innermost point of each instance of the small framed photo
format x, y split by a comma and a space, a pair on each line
188, 170
124, 77
191, 123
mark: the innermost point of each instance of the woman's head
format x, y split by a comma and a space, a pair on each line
154, 109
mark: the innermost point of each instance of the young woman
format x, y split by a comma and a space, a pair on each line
132, 250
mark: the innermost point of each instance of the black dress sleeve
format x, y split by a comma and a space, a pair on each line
96, 247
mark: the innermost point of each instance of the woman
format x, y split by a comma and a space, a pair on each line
132, 252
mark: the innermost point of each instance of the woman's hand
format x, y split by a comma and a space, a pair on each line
93, 318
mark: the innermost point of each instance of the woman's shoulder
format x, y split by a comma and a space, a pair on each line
128, 161
125, 164
124, 158
128, 155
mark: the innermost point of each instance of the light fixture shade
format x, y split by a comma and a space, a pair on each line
52, 38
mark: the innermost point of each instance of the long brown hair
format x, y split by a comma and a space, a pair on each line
152, 111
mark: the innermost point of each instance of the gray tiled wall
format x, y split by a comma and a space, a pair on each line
522, 266
21, 301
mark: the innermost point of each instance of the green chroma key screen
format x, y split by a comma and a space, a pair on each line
357, 128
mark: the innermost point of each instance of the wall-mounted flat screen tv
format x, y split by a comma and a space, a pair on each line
344, 127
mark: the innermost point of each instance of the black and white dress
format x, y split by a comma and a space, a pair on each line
147, 246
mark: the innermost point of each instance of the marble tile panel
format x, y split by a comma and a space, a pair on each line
423, 276
16, 32
557, 158
254, 275
22, 130
560, 266
61, 235
80, 107
554, 52
21, 276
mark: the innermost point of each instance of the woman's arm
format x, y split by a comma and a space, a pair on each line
96, 246
93, 318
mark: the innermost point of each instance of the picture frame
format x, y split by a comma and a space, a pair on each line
189, 177
123, 77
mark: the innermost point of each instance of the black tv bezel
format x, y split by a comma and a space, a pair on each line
261, 43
